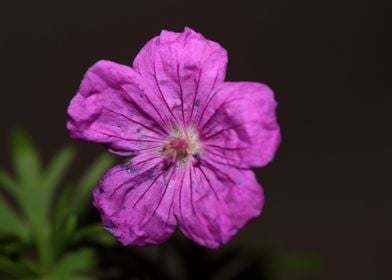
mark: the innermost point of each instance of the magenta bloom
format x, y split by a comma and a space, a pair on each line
191, 137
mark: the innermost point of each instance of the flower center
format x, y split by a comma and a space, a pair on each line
181, 146
176, 149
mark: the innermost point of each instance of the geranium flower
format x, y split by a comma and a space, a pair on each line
191, 139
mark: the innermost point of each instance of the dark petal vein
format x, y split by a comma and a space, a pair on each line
131, 179
132, 120
181, 94
163, 97
144, 113
208, 182
160, 199
126, 139
206, 137
217, 111
196, 93
226, 148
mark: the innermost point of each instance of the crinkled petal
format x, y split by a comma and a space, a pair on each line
110, 109
181, 69
135, 201
238, 126
214, 202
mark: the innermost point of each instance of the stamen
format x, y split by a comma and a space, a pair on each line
176, 149
181, 147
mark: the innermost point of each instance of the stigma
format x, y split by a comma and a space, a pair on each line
181, 146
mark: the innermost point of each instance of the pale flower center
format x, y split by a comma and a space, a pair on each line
181, 146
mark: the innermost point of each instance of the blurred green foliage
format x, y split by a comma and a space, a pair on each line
40, 236
47, 232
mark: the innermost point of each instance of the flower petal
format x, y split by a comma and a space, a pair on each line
135, 201
238, 125
213, 204
181, 69
109, 108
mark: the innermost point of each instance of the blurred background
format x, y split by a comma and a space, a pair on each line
328, 210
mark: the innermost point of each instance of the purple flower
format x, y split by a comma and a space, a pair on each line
191, 137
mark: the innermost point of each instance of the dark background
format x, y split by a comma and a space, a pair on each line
328, 189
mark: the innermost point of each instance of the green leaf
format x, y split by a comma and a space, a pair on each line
36, 194
27, 167
94, 232
89, 180
63, 234
74, 264
8, 183
10, 222
52, 177
57, 168
63, 205
300, 263
33, 201
17, 269
9, 246
43, 242
27, 163
74, 198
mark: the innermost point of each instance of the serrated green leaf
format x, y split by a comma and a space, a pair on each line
62, 234
16, 269
51, 178
89, 180
62, 207
75, 198
94, 232
58, 167
43, 242
10, 222
70, 225
27, 167
36, 196
11, 246
74, 263
8, 183
33, 200
27, 163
